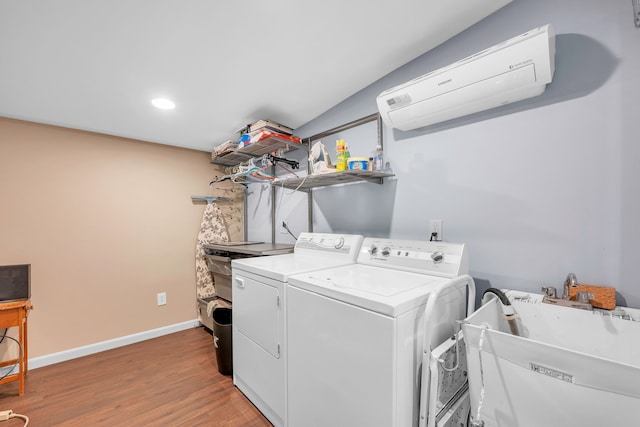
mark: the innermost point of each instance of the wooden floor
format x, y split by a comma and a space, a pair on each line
168, 381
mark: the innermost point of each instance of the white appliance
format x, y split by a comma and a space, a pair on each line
259, 298
355, 333
510, 71
567, 366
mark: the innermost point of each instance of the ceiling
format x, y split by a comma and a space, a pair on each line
95, 65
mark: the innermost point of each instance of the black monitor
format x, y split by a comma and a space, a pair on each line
15, 282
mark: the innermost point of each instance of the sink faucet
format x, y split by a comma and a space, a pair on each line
549, 291
571, 280
582, 298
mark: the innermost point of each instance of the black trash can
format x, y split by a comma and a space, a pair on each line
222, 339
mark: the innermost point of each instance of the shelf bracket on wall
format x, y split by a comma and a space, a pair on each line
636, 12
207, 199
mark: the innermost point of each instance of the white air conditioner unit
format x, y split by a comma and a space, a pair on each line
515, 69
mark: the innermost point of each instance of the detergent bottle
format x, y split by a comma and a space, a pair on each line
341, 155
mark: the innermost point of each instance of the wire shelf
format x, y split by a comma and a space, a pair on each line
257, 149
333, 178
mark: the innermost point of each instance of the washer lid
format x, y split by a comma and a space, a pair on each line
280, 267
386, 291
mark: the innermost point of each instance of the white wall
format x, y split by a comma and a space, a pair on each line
537, 189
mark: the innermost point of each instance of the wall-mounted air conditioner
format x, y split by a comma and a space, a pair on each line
510, 71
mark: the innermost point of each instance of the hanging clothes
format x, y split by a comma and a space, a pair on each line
212, 230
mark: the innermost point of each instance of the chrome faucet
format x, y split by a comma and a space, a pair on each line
549, 291
571, 280
581, 301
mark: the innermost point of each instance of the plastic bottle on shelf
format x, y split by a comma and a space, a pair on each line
378, 163
341, 155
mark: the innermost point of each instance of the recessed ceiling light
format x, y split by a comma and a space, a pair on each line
163, 103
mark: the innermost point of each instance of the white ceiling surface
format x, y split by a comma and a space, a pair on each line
95, 65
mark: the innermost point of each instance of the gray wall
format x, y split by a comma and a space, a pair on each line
537, 189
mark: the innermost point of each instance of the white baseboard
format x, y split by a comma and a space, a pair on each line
50, 359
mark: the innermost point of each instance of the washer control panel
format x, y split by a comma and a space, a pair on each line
438, 258
348, 244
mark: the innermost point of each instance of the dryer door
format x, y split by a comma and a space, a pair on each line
258, 343
256, 313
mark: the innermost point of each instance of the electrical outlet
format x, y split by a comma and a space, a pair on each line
162, 298
435, 230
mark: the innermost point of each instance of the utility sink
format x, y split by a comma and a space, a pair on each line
569, 367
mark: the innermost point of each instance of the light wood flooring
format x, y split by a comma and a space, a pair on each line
172, 380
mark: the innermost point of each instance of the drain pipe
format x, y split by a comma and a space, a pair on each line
507, 310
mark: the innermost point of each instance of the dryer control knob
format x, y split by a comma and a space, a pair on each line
386, 251
437, 256
373, 249
339, 242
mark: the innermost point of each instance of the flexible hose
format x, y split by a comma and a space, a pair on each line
509, 313
497, 292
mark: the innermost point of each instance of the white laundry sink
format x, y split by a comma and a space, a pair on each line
569, 367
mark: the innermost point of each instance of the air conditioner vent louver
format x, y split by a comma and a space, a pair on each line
510, 71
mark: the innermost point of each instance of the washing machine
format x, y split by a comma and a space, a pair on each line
356, 334
258, 323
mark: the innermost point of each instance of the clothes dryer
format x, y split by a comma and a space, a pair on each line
356, 334
258, 324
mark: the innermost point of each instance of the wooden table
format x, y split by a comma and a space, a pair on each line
12, 314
